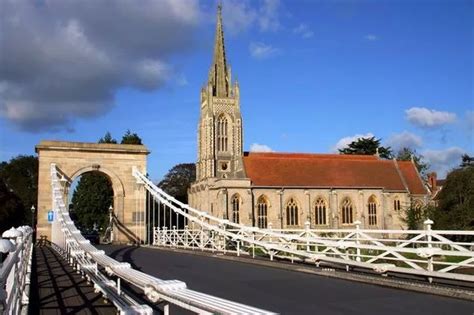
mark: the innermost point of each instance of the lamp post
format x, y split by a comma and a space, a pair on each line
111, 225
33, 209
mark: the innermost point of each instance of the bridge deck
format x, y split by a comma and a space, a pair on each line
283, 291
57, 289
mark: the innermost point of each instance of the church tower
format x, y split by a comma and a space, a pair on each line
220, 124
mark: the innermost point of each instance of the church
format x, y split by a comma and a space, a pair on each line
285, 190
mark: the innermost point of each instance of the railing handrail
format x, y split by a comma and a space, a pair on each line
308, 237
172, 291
15, 272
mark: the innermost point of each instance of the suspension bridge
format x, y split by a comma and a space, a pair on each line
186, 260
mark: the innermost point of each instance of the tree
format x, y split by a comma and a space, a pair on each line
467, 160
415, 215
178, 179
20, 176
91, 201
131, 138
367, 146
12, 210
455, 210
406, 154
107, 138
92, 197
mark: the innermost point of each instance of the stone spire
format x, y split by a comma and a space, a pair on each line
219, 73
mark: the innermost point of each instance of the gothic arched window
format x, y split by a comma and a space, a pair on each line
222, 138
292, 212
262, 209
235, 208
372, 210
320, 212
396, 204
346, 209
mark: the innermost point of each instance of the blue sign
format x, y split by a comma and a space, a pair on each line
50, 216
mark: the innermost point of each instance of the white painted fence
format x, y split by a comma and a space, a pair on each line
89, 261
15, 271
427, 253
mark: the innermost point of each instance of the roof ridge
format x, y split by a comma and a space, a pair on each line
402, 178
313, 155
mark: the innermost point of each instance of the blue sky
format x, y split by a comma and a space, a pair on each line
313, 75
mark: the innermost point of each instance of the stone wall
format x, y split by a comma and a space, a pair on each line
215, 197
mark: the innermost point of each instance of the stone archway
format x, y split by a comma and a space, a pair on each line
116, 161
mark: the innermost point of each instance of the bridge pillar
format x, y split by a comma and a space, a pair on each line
114, 161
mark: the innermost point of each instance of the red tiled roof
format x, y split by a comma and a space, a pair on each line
327, 170
412, 178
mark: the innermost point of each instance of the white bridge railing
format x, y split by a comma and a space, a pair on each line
92, 263
15, 270
428, 253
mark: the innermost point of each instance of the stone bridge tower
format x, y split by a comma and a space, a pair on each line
220, 124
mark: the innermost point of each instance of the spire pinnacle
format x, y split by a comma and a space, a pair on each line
219, 76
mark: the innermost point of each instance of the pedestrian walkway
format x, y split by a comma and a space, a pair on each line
58, 289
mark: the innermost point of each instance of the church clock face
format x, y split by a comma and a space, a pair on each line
224, 166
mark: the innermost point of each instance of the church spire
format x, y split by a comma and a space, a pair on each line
219, 74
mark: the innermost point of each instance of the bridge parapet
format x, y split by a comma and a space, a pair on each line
15, 270
426, 253
87, 259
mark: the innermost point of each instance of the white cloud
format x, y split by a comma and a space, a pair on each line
303, 30
256, 147
343, 142
238, 16
268, 15
371, 37
442, 161
429, 118
404, 140
67, 62
260, 50
241, 15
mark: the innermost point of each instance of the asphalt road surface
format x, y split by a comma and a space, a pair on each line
282, 291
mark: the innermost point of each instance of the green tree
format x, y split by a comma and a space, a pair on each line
455, 210
91, 201
176, 183
20, 176
467, 160
131, 138
415, 215
406, 154
178, 179
367, 146
107, 138
92, 197
12, 211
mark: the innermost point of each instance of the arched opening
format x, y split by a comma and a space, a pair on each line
372, 210
235, 208
262, 210
320, 212
396, 204
90, 201
222, 138
291, 212
347, 211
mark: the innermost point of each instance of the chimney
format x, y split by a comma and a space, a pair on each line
432, 181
